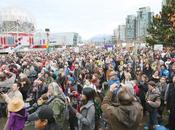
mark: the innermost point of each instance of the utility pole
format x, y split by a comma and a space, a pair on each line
47, 30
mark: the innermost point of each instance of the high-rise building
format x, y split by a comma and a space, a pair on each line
120, 33
144, 18
130, 28
164, 2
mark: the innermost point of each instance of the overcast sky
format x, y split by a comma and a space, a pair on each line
87, 17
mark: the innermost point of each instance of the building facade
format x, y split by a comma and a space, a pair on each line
164, 2
120, 34
16, 28
144, 18
130, 28
65, 39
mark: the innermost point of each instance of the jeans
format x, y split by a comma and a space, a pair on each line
152, 119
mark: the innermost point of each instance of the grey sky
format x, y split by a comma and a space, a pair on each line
87, 17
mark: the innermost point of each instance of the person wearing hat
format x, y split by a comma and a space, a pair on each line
44, 119
13, 94
152, 104
124, 114
17, 114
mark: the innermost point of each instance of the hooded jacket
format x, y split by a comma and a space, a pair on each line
86, 117
122, 117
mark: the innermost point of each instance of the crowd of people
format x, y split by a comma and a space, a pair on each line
94, 89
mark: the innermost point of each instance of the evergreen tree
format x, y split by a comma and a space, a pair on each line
162, 28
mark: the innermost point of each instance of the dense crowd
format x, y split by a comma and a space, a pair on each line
93, 89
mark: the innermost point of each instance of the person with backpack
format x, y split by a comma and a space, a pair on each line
57, 102
125, 114
86, 116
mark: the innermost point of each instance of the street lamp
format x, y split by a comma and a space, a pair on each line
47, 30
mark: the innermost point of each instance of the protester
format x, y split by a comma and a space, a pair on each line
14, 93
171, 104
17, 114
125, 114
143, 90
63, 73
57, 102
163, 88
86, 117
153, 101
36, 107
45, 120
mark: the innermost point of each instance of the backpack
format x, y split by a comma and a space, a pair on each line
63, 117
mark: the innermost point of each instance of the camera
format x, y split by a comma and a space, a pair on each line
4, 90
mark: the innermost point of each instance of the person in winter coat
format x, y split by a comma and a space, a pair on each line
14, 93
40, 102
39, 88
147, 70
45, 120
162, 86
155, 76
86, 117
171, 104
126, 114
25, 86
17, 114
143, 90
152, 104
57, 102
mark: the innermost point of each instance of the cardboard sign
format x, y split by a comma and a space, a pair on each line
76, 49
158, 47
